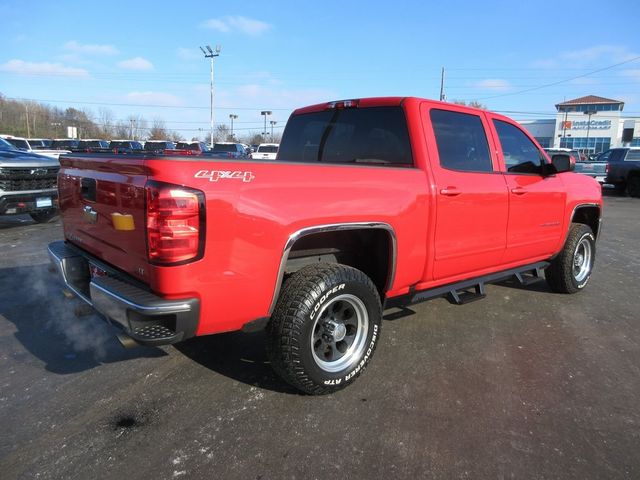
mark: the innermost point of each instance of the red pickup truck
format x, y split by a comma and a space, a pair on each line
371, 204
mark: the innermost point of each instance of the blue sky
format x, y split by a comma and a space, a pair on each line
280, 55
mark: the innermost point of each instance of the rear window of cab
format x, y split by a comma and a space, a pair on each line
369, 136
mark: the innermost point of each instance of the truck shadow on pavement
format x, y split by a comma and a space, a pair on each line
239, 356
45, 324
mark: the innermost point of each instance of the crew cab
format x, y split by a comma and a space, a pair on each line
623, 169
27, 183
371, 204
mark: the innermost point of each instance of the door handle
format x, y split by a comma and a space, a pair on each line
450, 191
518, 191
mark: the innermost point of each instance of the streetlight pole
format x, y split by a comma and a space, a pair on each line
589, 113
211, 55
265, 113
232, 117
272, 122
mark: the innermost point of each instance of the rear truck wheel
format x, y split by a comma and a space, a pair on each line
571, 270
325, 328
633, 186
43, 216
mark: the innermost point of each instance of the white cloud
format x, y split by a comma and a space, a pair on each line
153, 98
43, 68
496, 84
137, 63
89, 48
237, 23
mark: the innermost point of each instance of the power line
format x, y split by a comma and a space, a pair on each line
562, 81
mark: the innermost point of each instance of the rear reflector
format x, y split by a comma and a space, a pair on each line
175, 223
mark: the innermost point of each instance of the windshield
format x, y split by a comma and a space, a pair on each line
21, 144
268, 149
4, 145
373, 135
224, 147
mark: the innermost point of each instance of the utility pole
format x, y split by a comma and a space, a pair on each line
131, 120
211, 55
232, 117
442, 85
265, 113
272, 122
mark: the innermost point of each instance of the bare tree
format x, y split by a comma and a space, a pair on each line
158, 130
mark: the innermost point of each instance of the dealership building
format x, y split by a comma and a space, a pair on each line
590, 124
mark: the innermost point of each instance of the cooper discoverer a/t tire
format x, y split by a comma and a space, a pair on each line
571, 270
325, 327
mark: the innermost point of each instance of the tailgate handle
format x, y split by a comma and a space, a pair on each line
88, 189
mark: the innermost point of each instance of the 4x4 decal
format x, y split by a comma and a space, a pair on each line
215, 175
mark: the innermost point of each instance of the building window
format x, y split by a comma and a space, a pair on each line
545, 142
594, 144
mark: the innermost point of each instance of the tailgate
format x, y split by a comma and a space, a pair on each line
591, 168
102, 203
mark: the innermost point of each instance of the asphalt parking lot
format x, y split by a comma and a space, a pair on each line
524, 384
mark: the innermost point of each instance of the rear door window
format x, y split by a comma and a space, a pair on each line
372, 135
462, 141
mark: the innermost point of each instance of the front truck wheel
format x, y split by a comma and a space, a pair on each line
570, 271
325, 327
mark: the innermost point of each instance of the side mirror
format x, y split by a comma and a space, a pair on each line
563, 163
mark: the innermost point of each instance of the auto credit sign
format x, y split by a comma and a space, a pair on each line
586, 125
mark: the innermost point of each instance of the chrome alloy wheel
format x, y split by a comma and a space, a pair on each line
340, 333
582, 260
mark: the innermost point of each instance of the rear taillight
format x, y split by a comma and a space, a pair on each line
606, 168
175, 223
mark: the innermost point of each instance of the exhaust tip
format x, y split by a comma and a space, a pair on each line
126, 341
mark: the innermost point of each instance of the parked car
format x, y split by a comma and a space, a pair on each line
188, 148
93, 145
586, 167
126, 146
64, 144
437, 200
229, 150
266, 151
623, 169
27, 183
25, 145
158, 146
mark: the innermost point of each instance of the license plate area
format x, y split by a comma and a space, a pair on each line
44, 202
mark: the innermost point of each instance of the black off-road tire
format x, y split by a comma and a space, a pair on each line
633, 186
43, 216
571, 270
306, 343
